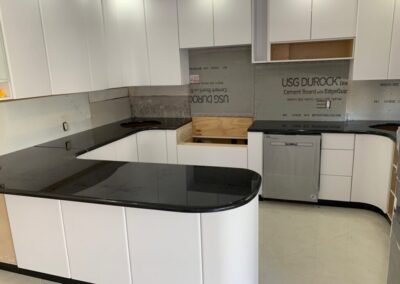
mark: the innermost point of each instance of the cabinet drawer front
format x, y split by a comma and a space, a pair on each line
338, 141
337, 162
217, 156
335, 188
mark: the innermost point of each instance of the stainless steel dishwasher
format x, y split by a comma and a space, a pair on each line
291, 167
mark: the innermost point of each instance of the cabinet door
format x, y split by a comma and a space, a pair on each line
373, 158
232, 22
94, 24
166, 65
127, 57
337, 162
334, 19
126, 149
394, 65
66, 46
289, 20
152, 146
196, 23
335, 188
38, 234
374, 34
165, 247
25, 48
97, 242
105, 153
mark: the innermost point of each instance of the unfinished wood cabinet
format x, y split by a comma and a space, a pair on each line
221, 127
7, 253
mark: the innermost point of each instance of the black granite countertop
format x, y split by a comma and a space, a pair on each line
51, 170
318, 127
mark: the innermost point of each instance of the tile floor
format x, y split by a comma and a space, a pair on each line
306, 244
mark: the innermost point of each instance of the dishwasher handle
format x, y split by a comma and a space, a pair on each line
294, 144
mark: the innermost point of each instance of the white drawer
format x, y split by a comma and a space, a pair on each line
337, 162
336, 188
335, 141
213, 155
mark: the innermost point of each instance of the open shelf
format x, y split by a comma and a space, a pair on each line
312, 50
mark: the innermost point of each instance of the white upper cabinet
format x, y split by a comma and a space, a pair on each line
127, 55
26, 52
168, 65
394, 65
65, 39
334, 19
196, 23
289, 20
204, 23
374, 34
232, 22
94, 24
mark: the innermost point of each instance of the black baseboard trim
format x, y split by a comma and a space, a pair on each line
44, 276
331, 203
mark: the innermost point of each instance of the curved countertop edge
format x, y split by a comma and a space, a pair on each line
350, 127
141, 205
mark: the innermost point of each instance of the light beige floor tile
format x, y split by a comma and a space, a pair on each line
322, 245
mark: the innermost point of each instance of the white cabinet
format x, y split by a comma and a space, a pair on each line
303, 20
25, 48
255, 152
196, 19
168, 64
165, 247
97, 242
214, 23
337, 162
334, 19
123, 150
232, 22
96, 44
394, 65
226, 258
374, 33
231, 156
38, 234
127, 56
126, 149
152, 146
373, 158
289, 20
337, 154
335, 188
66, 46
336, 141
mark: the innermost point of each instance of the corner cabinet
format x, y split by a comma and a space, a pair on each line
373, 158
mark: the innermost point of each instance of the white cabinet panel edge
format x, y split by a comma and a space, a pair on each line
255, 152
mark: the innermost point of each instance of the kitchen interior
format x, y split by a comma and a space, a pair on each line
199, 141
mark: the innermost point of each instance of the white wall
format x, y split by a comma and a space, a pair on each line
25, 123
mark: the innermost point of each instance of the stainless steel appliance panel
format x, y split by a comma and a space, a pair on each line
291, 167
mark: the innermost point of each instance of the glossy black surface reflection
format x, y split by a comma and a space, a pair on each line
318, 127
52, 170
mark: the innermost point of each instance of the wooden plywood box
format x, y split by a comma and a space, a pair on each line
7, 253
221, 127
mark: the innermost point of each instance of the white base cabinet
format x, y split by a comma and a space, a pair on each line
336, 188
165, 247
152, 146
373, 158
38, 234
96, 242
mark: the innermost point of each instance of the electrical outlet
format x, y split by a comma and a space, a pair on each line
65, 126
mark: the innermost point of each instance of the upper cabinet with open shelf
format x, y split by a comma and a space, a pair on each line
296, 30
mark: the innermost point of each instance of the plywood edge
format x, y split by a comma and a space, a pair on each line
188, 143
184, 133
221, 127
7, 252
